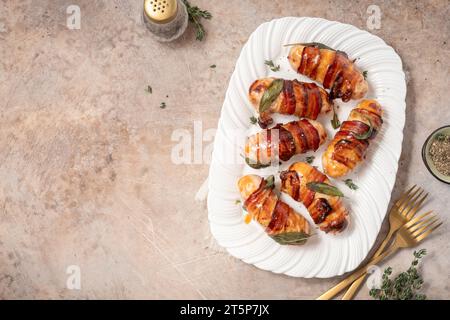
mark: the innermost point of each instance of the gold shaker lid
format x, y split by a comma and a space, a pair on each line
160, 11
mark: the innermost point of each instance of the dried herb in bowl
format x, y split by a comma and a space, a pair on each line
440, 153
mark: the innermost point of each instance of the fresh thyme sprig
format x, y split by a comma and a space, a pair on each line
405, 286
351, 184
195, 16
310, 159
272, 65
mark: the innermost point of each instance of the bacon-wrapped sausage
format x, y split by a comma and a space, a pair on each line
327, 211
350, 143
292, 138
305, 100
331, 68
263, 205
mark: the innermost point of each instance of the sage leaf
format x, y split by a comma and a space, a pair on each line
256, 165
271, 94
366, 135
270, 182
291, 238
324, 188
335, 123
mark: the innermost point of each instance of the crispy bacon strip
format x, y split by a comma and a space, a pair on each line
331, 68
264, 206
292, 138
327, 211
348, 149
305, 100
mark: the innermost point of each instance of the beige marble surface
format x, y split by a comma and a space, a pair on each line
86, 177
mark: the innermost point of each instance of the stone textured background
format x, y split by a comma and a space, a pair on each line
85, 172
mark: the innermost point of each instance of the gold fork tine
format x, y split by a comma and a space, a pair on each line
408, 199
426, 227
416, 230
417, 219
415, 208
426, 234
420, 224
411, 201
404, 196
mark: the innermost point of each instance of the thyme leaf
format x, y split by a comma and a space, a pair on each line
365, 74
349, 183
310, 159
272, 66
195, 16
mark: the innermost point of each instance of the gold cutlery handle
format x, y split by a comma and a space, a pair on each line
350, 293
361, 271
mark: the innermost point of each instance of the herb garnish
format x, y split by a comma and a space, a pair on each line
291, 237
324, 188
163, 105
237, 202
149, 89
270, 182
367, 134
350, 184
272, 66
253, 120
310, 159
257, 165
213, 66
365, 74
335, 121
195, 15
271, 94
405, 286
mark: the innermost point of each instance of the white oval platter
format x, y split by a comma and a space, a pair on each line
323, 255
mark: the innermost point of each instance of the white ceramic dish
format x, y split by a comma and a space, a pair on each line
324, 255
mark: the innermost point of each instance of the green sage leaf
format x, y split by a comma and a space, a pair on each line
324, 188
271, 94
257, 165
335, 121
291, 238
366, 135
270, 182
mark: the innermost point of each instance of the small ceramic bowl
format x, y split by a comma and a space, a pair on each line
426, 154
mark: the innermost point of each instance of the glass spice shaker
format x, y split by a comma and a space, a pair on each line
166, 19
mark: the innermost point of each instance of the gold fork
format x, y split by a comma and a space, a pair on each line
409, 235
403, 211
